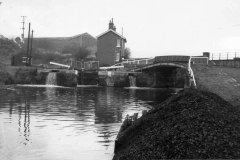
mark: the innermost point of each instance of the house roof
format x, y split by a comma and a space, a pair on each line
83, 34
110, 30
64, 38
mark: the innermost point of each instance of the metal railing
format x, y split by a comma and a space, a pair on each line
224, 55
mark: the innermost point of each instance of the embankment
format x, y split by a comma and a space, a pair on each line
224, 81
192, 124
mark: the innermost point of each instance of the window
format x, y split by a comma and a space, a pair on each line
118, 43
117, 57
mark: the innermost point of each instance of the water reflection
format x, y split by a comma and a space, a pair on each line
66, 123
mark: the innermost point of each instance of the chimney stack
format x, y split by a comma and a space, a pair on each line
111, 25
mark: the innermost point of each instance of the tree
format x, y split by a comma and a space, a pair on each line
77, 52
19, 41
127, 53
80, 54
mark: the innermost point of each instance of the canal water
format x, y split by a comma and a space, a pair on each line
42, 123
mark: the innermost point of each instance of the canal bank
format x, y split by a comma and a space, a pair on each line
224, 81
192, 124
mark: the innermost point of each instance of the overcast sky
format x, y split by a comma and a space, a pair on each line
152, 27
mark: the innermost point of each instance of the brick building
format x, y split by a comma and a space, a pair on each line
57, 44
110, 46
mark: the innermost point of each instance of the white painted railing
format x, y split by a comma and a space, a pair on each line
59, 64
136, 61
86, 65
190, 71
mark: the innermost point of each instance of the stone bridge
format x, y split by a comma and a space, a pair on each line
162, 71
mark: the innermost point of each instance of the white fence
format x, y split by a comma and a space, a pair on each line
224, 55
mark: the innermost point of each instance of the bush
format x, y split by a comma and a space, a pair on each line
38, 57
77, 52
8, 46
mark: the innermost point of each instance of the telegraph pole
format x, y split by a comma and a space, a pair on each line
23, 27
27, 62
30, 56
122, 48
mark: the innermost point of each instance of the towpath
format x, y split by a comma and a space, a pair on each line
220, 80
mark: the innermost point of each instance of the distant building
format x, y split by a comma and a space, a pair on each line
110, 46
58, 44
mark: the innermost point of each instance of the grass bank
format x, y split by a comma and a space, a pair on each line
192, 125
224, 81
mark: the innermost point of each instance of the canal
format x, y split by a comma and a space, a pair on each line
67, 123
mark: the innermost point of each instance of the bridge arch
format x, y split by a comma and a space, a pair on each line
162, 64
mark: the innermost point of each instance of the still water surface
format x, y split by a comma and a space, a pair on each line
39, 123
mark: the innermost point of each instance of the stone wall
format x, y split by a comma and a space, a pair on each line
159, 78
27, 75
87, 78
68, 79
228, 63
162, 78
113, 78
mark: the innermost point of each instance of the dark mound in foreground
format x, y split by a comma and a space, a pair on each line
193, 124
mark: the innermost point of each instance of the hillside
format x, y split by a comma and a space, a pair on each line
8, 47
